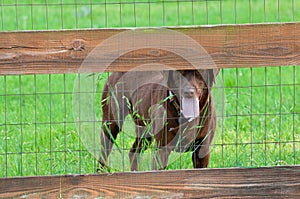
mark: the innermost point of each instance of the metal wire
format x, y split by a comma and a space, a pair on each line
66, 154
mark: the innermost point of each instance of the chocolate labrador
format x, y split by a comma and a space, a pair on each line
174, 108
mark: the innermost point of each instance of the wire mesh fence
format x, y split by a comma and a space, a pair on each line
37, 129
71, 14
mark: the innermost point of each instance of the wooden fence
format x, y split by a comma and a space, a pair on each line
229, 46
276, 182
50, 52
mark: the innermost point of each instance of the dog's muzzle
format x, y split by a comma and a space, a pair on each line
188, 110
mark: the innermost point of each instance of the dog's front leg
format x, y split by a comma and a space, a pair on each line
200, 162
140, 145
142, 141
160, 157
201, 155
134, 155
159, 129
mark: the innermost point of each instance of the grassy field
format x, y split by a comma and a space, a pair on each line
259, 127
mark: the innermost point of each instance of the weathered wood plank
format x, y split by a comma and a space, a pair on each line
276, 182
228, 45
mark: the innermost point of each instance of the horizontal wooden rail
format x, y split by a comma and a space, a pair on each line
275, 182
38, 52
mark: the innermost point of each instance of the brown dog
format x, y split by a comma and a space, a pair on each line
174, 107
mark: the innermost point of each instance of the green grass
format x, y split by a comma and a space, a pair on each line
37, 131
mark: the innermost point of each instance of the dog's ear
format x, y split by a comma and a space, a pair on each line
168, 78
211, 77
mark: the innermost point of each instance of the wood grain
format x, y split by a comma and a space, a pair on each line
253, 45
275, 182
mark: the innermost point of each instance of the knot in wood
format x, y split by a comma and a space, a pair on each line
78, 45
155, 52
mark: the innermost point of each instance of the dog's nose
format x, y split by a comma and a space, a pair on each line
189, 92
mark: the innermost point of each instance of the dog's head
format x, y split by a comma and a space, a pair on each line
191, 83
192, 89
